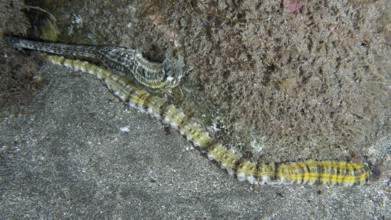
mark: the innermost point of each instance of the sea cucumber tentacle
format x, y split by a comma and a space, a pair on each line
305, 172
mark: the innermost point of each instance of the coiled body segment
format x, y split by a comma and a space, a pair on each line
130, 62
304, 172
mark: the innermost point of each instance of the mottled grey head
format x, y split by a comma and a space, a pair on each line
173, 68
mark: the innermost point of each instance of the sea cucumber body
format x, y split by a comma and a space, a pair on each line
304, 172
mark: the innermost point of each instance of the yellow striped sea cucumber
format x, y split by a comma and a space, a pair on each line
304, 172
154, 75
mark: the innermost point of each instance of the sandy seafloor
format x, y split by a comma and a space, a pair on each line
80, 153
